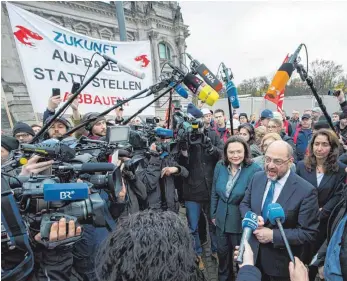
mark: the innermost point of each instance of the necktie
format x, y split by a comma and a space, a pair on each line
268, 199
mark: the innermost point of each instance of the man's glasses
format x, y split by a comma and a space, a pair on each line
277, 162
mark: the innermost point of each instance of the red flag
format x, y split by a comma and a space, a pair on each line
278, 99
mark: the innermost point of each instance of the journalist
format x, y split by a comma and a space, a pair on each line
157, 173
200, 159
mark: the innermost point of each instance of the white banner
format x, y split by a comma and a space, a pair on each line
54, 57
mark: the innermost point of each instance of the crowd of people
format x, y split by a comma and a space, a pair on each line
298, 162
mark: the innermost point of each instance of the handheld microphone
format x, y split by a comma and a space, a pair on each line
283, 75
232, 94
163, 133
204, 92
65, 191
276, 216
125, 68
249, 224
180, 90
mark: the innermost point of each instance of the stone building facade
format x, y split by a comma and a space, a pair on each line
161, 22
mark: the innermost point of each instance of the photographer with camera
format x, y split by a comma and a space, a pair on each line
200, 156
157, 173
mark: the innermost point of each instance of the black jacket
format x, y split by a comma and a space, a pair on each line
298, 199
335, 218
161, 192
290, 141
201, 164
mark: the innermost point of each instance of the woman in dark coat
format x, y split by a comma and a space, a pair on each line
231, 178
322, 169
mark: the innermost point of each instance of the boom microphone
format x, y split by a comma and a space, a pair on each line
180, 90
283, 75
206, 74
276, 216
232, 94
249, 224
125, 68
89, 167
204, 92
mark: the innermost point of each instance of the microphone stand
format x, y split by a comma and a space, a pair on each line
148, 104
71, 99
169, 113
74, 129
225, 70
304, 77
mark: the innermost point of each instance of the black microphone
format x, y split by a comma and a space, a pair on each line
276, 216
89, 167
249, 224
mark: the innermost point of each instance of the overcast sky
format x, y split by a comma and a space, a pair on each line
253, 38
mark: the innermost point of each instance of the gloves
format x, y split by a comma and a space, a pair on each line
207, 144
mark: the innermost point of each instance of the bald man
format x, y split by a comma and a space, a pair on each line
298, 199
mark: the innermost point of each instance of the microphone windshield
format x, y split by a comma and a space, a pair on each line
192, 82
194, 111
232, 94
250, 220
163, 133
180, 90
275, 211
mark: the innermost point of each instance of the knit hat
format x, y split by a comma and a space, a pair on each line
322, 124
59, 119
343, 115
317, 109
277, 115
91, 115
244, 115
9, 143
193, 110
21, 127
267, 113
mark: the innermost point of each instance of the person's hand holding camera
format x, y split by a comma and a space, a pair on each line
32, 167
53, 103
59, 232
341, 96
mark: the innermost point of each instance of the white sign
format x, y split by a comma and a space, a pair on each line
55, 57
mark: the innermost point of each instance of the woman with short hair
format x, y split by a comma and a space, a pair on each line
231, 178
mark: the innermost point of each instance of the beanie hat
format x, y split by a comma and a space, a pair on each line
277, 115
9, 143
244, 115
321, 124
267, 113
21, 127
59, 119
91, 115
193, 110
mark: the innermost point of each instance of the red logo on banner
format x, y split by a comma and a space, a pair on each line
23, 35
143, 58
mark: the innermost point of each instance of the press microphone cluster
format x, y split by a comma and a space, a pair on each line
249, 224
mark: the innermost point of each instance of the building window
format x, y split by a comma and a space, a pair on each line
164, 51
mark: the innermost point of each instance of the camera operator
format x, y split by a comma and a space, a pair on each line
133, 188
200, 160
58, 128
95, 129
157, 173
